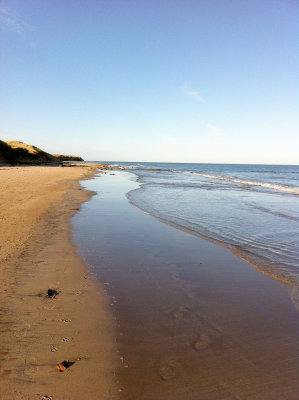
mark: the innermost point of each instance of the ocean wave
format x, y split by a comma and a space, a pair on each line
267, 185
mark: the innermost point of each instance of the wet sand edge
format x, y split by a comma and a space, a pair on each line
244, 255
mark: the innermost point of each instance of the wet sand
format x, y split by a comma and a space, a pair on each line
193, 321
36, 254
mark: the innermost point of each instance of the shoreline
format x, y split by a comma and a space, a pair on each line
239, 253
242, 254
193, 320
187, 317
37, 332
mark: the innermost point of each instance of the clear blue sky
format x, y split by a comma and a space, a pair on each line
152, 80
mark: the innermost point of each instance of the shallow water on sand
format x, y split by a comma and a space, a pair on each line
192, 320
253, 209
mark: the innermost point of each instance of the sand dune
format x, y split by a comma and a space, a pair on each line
16, 152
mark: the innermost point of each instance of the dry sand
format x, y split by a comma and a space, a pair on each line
36, 254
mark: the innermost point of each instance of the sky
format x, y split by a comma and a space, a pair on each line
152, 80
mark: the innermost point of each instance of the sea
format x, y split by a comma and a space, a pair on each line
251, 209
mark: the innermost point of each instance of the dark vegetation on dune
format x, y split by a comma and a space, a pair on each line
63, 157
14, 152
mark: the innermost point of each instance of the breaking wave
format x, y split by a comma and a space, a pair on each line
267, 185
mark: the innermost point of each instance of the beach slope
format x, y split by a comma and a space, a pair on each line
36, 254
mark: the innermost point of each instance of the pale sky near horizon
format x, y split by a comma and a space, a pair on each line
152, 80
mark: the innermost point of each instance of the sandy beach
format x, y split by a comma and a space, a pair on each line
186, 319
149, 200
36, 254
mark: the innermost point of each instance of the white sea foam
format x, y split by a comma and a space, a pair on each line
268, 185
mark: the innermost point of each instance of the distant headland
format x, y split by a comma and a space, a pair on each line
15, 152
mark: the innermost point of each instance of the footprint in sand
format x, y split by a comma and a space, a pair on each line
189, 293
22, 332
168, 370
49, 307
175, 276
202, 342
31, 370
182, 313
31, 367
